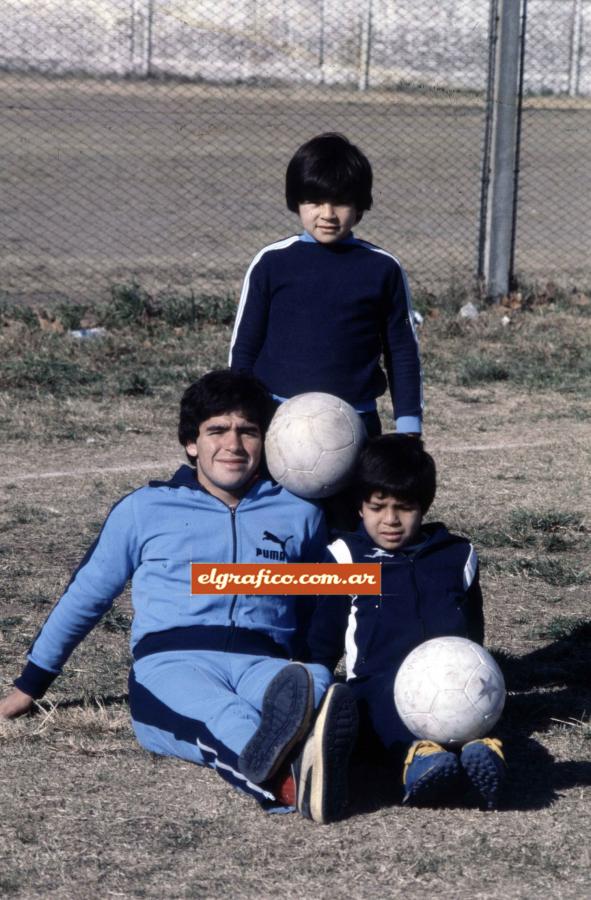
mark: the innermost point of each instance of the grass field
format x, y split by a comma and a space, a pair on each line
87, 813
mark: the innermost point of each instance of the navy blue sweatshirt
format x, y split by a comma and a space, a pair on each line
429, 590
317, 317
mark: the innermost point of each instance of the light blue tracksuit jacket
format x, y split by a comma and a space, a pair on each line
202, 662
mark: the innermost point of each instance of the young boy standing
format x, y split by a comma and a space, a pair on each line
430, 588
318, 310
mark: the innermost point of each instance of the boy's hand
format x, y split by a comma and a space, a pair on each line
15, 704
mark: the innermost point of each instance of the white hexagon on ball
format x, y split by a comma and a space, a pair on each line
312, 444
449, 690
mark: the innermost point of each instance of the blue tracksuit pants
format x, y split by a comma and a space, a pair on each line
383, 737
203, 706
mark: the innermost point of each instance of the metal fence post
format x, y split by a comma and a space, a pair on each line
575, 48
365, 54
321, 39
499, 197
142, 13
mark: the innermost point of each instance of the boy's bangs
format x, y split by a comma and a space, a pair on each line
401, 490
321, 190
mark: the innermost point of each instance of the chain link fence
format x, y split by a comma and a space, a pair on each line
147, 140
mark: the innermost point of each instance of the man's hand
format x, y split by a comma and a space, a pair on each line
17, 703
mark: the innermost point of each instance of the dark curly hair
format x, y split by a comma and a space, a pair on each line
219, 392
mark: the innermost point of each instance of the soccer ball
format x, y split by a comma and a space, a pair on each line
313, 443
449, 690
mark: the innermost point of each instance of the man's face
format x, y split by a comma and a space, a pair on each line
228, 451
328, 222
390, 522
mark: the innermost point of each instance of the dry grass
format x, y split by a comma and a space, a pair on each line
87, 813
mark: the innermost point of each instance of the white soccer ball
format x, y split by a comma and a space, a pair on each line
449, 690
313, 443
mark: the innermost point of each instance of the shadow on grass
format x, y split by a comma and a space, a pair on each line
548, 687
566, 661
95, 702
373, 787
535, 779
540, 710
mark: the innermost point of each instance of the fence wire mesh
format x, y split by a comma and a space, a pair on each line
147, 139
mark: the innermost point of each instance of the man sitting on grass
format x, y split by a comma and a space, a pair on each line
212, 680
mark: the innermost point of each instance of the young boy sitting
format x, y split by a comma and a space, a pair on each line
430, 588
318, 309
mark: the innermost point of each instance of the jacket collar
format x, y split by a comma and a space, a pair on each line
307, 238
432, 534
185, 477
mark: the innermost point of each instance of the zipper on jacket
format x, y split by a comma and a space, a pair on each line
417, 597
231, 623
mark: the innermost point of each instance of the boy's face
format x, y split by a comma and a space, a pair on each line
390, 522
228, 451
328, 222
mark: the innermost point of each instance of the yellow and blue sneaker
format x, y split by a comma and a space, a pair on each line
431, 774
484, 764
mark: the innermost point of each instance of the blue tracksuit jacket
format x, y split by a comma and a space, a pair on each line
152, 536
429, 590
317, 317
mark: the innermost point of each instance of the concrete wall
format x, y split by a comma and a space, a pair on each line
441, 43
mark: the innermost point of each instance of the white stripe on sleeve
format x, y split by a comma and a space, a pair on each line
342, 554
278, 245
340, 551
470, 568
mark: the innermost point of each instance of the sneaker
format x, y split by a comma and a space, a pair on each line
321, 769
430, 773
484, 764
285, 719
